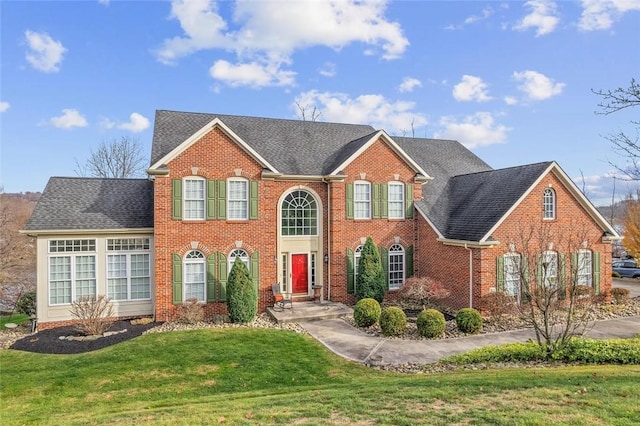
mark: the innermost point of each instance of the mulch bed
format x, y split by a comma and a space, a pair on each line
49, 342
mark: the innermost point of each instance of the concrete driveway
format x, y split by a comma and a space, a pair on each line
630, 284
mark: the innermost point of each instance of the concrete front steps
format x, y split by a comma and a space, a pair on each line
305, 311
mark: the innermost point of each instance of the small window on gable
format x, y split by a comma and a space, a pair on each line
362, 200
194, 198
549, 203
237, 199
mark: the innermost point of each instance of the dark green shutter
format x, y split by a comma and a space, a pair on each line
211, 277
349, 200
595, 269
376, 201
408, 201
211, 199
562, 277
222, 199
384, 259
255, 270
223, 277
384, 201
539, 271
409, 262
500, 273
253, 199
176, 199
525, 280
350, 271
176, 278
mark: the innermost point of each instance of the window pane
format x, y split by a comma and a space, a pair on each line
194, 197
396, 201
396, 266
85, 276
117, 277
59, 280
194, 280
238, 199
299, 214
362, 201
512, 274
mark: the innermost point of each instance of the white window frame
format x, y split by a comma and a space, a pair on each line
395, 201
357, 254
300, 208
74, 250
584, 268
233, 211
192, 260
194, 202
244, 256
512, 281
549, 204
550, 278
396, 266
361, 200
128, 247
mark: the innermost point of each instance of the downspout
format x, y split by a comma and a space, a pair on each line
470, 275
328, 241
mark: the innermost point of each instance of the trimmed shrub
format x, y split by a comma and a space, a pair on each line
370, 281
469, 320
393, 321
498, 304
431, 323
242, 298
27, 303
619, 295
191, 311
366, 312
94, 314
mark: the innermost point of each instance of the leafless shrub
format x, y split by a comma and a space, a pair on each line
498, 305
620, 295
94, 314
191, 311
422, 291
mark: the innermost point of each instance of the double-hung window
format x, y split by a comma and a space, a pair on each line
584, 267
194, 198
238, 199
362, 200
512, 274
194, 276
396, 200
550, 269
128, 269
72, 270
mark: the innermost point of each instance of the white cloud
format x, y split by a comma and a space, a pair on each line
268, 33
4, 106
600, 14
471, 88
473, 131
251, 74
543, 17
44, 54
510, 100
70, 118
104, 2
537, 86
137, 123
328, 69
408, 84
486, 13
374, 110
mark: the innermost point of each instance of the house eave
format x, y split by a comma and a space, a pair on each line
48, 232
468, 244
268, 175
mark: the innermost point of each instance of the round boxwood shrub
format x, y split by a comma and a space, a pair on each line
469, 320
393, 321
27, 303
431, 323
366, 312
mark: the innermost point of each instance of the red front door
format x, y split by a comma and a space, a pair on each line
299, 273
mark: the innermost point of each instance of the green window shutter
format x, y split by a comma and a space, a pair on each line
350, 271
384, 201
595, 269
176, 280
211, 199
525, 280
253, 199
376, 201
211, 277
408, 188
255, 270
539, 271
409, 262
349, 200
562, 277
384, 259
222, 199
500, 273
176, 199
223, 277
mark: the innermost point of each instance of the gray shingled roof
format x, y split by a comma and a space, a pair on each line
69, 203
291, 146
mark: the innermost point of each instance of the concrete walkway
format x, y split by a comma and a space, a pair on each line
353, 344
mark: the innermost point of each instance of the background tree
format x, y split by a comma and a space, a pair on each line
118, 158
631, 224
627, 145
242, 299
370, 281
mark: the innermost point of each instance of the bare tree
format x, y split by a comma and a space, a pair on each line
118, 158
625, 144
314, 112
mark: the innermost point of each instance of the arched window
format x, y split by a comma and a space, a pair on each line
299, 214
194, 276
194, 198
356, 260
243, 255
549, 203
550, 269
512, 274
396, 266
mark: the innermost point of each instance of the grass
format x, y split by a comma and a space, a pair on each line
252, 376
14, 318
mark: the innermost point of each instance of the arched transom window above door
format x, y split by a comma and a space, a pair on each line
299, 214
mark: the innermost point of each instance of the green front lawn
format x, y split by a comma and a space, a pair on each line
14, 318
258, 376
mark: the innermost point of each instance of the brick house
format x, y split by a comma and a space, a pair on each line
295, 201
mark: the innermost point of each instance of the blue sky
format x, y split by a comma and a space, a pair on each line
510, 80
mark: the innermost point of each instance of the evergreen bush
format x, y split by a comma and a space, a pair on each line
469, 320
393, 321
370, 281
242, 298
27, 303
431, 323
366, 312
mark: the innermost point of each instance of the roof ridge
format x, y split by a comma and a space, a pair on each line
505, 168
